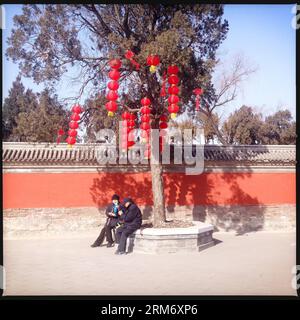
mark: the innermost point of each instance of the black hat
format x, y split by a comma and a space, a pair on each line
127, 200
115, 197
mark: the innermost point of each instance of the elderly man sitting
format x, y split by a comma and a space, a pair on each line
131, 220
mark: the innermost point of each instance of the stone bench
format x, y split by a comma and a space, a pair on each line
171, 240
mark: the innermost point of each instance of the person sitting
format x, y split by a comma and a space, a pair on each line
130, 221
112, 213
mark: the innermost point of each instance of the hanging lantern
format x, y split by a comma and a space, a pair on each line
72, 133
71, 140
115, 63
173, 79
163, 117
173, 89
173, 99
76, 109
145, 118
145, 126
111, 107
73, 125
125, 115
163, 125
114, 74
113, 85
153, 61
173, 70
60, 133
198, 92
145, 102
75, 117
173, 109
145, 110
112, 95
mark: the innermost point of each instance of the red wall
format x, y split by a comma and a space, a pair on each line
46, 190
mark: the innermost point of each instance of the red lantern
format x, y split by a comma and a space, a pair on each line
153, 61
115, 63
130, 123
76, 109
163, 117
163, 125
73, 125
173, 79
60, 132
145, 126
173, 108
173, 69
145, 118
129, 54
75, 117
145, 110
173, 99
132, 116
111, 106
126, 115
71, 140
114, 74
113, 85
198, 92
112, 95
145, 102
72, 133
173, 90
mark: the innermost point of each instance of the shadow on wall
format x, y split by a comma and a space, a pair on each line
235, 210
138, 186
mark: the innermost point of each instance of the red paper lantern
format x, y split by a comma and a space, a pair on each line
76, 109
145, 118
113, 85
145, 126
145, 102
153, 60
163, 125
173, 108
132, 116
73, 125
71, 140
130, 123
111, 106
173, 79
112, 95
163, 117
115, 63
72, 133
60, 132
129, 54
173, 90
145, 110
173, 99
75, 117
114, 74
126, 115
173, 69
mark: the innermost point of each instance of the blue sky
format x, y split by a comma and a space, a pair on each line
262, 33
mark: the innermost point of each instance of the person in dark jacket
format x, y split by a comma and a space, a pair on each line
130, 221
112, 213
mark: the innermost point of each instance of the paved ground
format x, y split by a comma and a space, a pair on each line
255, 263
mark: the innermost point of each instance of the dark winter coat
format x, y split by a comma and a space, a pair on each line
132, 217
112, 221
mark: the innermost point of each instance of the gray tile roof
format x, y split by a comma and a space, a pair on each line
16, 153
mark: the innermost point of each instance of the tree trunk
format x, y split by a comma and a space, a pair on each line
159, 212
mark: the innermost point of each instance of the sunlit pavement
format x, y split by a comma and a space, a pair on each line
258, 263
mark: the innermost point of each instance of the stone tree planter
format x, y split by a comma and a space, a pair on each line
172, 240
